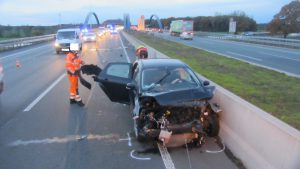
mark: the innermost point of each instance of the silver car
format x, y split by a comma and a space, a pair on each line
187, 35
89, 37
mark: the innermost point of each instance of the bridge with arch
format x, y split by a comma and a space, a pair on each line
88, 26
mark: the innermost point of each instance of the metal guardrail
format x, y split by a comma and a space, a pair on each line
21, 42
294, 43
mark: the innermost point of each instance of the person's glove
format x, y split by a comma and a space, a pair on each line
96, 79
77, 72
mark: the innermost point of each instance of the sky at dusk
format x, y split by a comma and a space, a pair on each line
45, 12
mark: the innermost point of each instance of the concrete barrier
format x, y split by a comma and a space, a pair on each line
260, 140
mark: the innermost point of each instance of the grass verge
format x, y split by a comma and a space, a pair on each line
273, 92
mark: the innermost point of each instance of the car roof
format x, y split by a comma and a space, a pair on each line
69, 29
151, 63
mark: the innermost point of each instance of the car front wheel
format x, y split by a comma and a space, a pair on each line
214, 125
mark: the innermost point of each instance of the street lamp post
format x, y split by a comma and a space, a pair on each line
283, 21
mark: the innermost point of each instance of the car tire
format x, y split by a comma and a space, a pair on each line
214, 125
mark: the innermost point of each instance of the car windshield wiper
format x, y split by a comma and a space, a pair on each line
159, 81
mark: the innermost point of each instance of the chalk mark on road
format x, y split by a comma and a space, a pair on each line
217, 151
127, 139
138, 158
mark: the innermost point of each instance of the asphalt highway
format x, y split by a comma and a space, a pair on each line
279, 59
40, 129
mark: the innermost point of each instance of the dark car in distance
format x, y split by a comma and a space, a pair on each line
166, 97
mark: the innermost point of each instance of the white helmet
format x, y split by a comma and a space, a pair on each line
74, 47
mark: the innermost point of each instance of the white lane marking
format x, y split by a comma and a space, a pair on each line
249, 57
265, 47
283, 57
110, 49
32, 104
247, 61
165, 156
138, 158
23, 52
71, 138
188, 154
128, 60
90, 95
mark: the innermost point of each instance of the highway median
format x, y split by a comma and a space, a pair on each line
274, 92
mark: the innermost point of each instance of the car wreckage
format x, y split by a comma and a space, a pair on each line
166, 97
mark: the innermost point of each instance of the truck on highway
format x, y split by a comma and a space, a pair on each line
182, 28
64, 37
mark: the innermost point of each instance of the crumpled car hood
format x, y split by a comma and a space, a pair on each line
179, 98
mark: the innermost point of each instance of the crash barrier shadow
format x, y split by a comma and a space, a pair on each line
254, 136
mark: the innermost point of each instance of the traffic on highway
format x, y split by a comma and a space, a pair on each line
85, 89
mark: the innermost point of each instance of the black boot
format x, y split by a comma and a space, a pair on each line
80, 103
72, 101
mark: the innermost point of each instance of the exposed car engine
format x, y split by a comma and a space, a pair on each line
197, 117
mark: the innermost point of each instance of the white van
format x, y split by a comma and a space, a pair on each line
64, 37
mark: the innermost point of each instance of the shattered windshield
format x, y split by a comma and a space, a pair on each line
168, 79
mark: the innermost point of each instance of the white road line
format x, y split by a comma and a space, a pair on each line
283, 57
32, 104
249, 57
128, 60
23, 52
90, 95
110, 49
265, 47
165, 156
247, 61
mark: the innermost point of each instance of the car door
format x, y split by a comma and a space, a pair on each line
113, 81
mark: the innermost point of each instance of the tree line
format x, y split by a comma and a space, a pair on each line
25, 31
287, 20
218, 23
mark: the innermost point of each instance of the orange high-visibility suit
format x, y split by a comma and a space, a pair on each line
73, 64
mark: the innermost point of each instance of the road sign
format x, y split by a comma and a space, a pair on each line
232, 26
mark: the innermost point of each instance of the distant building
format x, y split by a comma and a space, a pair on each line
141, 23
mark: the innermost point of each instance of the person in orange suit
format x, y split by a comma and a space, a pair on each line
73, 64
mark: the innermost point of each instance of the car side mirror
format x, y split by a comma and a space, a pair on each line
206, 83
130, 86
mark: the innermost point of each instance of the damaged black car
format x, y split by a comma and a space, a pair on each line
167, 99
